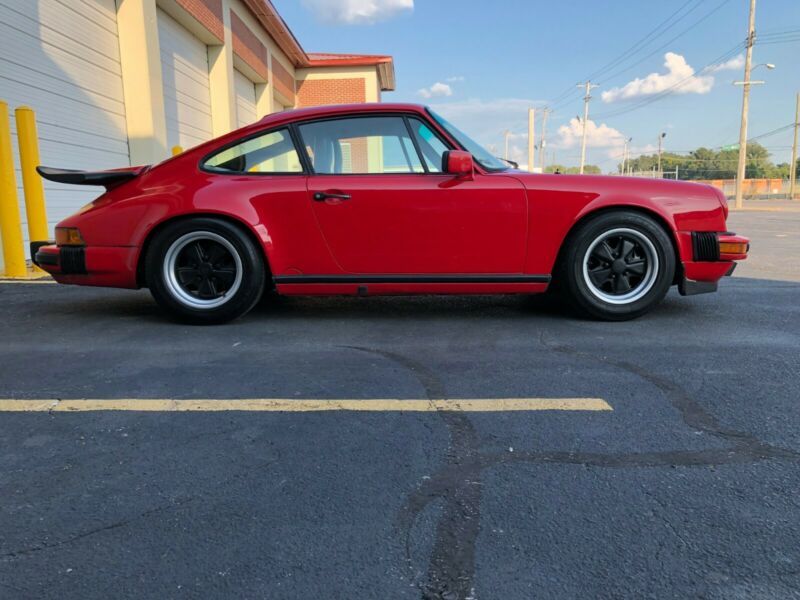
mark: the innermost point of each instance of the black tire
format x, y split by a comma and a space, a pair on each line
619, 249
204, 271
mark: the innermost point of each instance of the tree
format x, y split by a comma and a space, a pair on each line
587, 169
705, 163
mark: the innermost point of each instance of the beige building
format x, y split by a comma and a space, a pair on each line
121, 82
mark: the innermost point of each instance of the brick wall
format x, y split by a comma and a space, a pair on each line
352, 90
208, 13
282, 80
247, 46
317, 92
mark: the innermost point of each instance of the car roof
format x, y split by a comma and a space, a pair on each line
338, 109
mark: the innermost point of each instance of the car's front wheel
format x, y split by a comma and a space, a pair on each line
617, 266
204, 270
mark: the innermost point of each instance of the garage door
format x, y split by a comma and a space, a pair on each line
246, 112
184, 69
61, 57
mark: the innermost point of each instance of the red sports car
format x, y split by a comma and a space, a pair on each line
383, 199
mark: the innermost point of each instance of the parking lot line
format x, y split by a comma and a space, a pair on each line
305, 405
27, 281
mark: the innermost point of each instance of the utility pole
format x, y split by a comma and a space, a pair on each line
587, 96
751, 39
506, 135
625, 154
793, 164
543, 143
661, 137
531, 138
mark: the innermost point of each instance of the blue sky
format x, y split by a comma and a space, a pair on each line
494, 59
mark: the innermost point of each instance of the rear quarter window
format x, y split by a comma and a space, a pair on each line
271, 152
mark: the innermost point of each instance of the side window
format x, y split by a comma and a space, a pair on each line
360, 145
272, 152
430, 145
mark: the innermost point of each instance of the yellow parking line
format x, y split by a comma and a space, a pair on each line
301, 405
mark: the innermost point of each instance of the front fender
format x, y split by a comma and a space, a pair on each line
558, 204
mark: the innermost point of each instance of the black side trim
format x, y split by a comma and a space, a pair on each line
73, 260
705, 246
412, 279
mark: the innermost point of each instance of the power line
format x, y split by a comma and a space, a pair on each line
779, 34
769, 32
772, 43
664, 26
669, 43
764, 135
664, 93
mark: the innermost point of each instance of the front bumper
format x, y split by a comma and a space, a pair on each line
112, 266
709, 260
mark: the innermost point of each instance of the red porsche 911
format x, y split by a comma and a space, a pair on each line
383, 199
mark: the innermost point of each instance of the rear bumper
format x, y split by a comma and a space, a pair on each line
112, 266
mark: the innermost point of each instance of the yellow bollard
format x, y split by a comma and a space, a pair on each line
176, 150
31, 181
10, 226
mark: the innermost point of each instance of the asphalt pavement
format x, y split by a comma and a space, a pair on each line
687, 488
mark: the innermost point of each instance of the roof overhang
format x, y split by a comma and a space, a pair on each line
274, 24
271, 20
382, 63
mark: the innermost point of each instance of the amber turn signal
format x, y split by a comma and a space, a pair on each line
732, 248
69, 236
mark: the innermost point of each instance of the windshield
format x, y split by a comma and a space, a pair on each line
479, 153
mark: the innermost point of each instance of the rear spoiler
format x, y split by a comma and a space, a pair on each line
109, 179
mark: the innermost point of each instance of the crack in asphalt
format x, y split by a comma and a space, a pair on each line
175, 504
121, 523
451, 569
458, 482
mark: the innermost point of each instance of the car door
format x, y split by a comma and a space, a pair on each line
384, 206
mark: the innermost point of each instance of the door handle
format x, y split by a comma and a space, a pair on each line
322, 196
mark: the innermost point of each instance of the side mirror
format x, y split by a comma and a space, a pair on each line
458, 163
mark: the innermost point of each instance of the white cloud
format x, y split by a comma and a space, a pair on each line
733, 64
679, 74
597, 136
437, 90
357, 12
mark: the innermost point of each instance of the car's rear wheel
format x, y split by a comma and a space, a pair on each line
204, 270
617, 266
